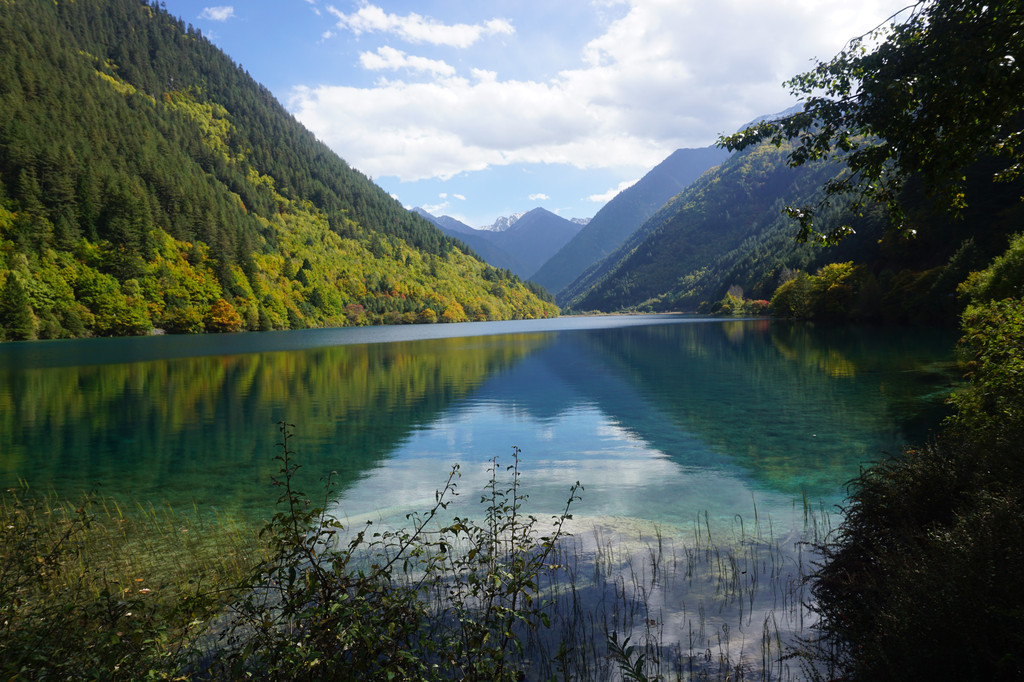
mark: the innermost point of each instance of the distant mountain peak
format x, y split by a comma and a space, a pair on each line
503, 223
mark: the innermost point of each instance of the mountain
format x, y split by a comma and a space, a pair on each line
535, 237
675, 252
479, 241
621, 216
447, 223
503, 223
147, 181
727, 232
520, 243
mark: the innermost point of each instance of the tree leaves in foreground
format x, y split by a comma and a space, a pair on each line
927, 94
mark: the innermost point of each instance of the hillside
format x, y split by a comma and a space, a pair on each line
146, 181
713, 216
727, 231
626, 212
521, 245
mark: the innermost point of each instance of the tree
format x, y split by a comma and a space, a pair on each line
927, 94
222, 317
16, 322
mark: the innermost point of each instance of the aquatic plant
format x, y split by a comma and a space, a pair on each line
435, 600
95, 591
102, 591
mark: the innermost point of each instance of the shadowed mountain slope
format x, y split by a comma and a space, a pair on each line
621, 216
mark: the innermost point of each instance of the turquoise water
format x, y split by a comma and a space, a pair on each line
660, 418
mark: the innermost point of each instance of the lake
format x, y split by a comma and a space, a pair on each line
659, 417
711, 451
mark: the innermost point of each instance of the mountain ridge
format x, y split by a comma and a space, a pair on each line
626, 212
522, 245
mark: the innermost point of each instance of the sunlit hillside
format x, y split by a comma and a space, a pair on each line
147, 182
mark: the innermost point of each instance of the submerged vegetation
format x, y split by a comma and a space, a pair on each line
98, 591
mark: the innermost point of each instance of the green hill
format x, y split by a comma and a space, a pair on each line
146, 181
621, 216
674, 253
727, 232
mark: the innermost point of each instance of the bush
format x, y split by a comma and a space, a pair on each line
451, 602
923, 578
828, 295
1004, 278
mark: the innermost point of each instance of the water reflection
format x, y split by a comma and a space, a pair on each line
648, 414
203, 428
662, 422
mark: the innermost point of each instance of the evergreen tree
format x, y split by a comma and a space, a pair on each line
16, 321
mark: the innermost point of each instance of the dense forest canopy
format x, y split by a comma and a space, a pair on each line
147, 181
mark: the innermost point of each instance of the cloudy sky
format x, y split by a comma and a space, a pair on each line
482, 109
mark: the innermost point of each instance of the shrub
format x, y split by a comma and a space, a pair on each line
923, 577
450, 602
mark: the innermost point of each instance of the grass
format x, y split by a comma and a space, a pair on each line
644, 605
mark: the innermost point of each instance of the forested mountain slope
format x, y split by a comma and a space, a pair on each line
621, 216
727, 231
675, 248
147, 181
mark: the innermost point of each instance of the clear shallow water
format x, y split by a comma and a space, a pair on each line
660, 417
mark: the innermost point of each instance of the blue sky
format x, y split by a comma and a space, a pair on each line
482, 109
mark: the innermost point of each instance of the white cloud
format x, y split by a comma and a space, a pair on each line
415, 28
663, 75
389, 58
605, 197
539, 197
460, 197
221, 13
439, 129
435, 209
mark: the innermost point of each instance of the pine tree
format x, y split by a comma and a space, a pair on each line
16, 321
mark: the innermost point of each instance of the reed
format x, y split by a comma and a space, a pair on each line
683, 606
96, 588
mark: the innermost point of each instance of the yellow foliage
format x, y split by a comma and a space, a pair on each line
222, 317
